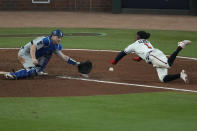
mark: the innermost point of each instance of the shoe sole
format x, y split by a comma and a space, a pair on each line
9, 77
186, 77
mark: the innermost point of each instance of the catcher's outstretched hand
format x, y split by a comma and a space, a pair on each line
84, 67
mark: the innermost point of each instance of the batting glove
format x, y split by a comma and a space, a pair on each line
112, 62
137, 58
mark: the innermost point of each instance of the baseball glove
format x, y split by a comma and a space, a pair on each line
85, 67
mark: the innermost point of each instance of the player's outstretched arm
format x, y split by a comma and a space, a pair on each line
66, 58
118, 58
83, 67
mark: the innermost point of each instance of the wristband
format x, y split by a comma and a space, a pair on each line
71, 61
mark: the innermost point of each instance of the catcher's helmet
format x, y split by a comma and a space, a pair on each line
57, 33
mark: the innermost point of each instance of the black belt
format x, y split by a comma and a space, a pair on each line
148, 54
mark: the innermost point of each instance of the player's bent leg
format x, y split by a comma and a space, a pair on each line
164, 77
21, 60
158, 59
23, 73
162, 72
173, 56
43, 61
181, 45
168, 78
26, 61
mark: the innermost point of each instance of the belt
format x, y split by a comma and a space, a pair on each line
148, 54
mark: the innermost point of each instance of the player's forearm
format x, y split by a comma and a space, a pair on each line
63, 57
66, 58
119, 56
33, 51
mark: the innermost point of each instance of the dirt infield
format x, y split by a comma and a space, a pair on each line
127, 71
97, 20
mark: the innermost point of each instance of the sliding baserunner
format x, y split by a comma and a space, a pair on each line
145, 51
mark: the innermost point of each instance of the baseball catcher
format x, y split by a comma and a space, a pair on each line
35, 55
145, 51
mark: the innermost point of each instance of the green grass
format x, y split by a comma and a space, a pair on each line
132, 112
115, 39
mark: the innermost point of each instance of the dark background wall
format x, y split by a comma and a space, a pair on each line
156, 4
116, 6
72, 5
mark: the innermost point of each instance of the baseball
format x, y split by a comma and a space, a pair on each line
111, 69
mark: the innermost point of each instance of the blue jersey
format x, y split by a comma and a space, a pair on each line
44, 47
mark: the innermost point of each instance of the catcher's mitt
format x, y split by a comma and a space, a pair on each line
85, 67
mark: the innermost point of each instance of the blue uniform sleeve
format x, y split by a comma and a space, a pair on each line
59, 47
46, 41
120, 56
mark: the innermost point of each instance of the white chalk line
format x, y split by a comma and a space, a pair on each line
182, 57
126, 84
3, 72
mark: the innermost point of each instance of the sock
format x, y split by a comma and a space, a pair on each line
171, 77
173, 56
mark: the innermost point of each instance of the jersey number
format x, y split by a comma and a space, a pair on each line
146, 44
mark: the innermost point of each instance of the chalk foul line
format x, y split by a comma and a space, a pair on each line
126, 84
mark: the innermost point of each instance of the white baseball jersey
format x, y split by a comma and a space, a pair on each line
147, 52
140, 47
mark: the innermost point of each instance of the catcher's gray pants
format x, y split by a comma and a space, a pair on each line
26, 60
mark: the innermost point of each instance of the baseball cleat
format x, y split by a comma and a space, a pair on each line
184, 43
41, 73
10, 76
184, 76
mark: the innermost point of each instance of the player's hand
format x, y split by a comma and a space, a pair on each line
137, 58
112, 62
35, 61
